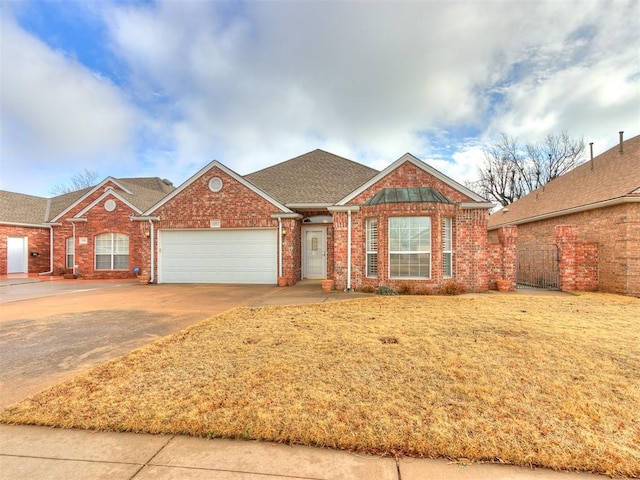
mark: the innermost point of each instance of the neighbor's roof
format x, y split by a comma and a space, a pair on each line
22, 209
611, 176
32, 210
315, 177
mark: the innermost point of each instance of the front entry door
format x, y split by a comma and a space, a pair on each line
16, 254
314, 252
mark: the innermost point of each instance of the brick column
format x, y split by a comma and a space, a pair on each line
508, 236
566, 237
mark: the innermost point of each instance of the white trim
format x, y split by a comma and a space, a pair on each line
479, 205
228, 171
91, 192
407, 157
344, 208
286, 215
309, 206
106, 194
560, 213
29, 225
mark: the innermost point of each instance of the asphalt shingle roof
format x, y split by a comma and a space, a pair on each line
28, 209
315, 177
608, 176
20, 208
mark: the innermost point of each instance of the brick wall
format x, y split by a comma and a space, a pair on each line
37, 241
613, 231
469, 235
235, 206
99, 221
501, 256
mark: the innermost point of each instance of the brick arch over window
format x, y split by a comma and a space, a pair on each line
112, 251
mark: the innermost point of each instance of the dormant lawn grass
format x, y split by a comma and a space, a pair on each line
533, 381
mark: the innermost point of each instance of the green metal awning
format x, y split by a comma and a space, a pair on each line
408, 195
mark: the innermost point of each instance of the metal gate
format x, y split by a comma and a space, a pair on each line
537, 266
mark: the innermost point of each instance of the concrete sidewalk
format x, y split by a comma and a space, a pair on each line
28, 452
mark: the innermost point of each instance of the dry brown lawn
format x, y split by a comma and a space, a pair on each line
535, 381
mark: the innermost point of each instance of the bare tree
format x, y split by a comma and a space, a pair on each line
512, 170
83, 179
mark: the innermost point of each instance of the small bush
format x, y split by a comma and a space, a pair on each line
386, 290
405, 288
422, 291
368, 289
451, 288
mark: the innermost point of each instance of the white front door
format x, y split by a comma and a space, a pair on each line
314, 252
16, 254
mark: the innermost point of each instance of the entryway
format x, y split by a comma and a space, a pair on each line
537, 266
314, 252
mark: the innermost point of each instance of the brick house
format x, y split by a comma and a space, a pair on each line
88, 232
593, 214
315, 216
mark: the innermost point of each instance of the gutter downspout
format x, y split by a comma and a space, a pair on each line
348, 250
152, 248
279, 247
73, 224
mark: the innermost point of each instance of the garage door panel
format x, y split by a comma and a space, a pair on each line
218, 256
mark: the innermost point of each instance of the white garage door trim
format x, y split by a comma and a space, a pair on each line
218, 256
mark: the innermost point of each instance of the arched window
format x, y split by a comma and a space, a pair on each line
112, 251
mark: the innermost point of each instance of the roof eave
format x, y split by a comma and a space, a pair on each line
568, 211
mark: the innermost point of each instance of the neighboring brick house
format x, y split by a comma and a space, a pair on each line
314, 216
597, 205
88, 232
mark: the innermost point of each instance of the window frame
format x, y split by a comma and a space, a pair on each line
409, 252
447, 247
69, 253
115, 253
371, 247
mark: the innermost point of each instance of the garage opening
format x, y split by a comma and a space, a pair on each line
218, 256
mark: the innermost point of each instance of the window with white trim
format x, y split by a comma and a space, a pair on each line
69, 253
409, 247
447, 247
112, 251
372, 247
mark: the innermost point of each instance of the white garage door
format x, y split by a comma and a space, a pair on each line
217, 256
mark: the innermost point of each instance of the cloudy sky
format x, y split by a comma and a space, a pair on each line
161, 88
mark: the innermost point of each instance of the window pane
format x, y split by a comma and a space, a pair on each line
410, 247
372, 264
103, 262
121, 262
446, 264
103, 244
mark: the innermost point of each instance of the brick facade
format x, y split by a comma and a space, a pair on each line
38, 241
469, 235
609, 236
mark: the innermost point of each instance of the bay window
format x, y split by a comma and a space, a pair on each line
409, 247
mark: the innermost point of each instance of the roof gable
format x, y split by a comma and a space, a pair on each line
137, 193
213, 165
408, 158
610, 177
317, 177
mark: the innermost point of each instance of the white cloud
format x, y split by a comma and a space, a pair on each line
55, 112
255, 83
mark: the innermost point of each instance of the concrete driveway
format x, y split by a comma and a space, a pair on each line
53, 330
